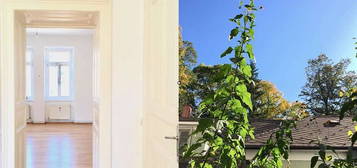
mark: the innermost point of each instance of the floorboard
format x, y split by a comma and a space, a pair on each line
58, 145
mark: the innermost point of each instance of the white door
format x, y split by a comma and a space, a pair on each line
13, 114
161, 84
144, 83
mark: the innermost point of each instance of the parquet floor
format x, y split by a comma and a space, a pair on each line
58, 145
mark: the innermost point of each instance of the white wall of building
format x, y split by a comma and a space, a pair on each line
299, 158
83, 64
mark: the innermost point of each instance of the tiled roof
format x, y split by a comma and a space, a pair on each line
323, 128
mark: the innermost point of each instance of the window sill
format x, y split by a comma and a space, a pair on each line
58, 100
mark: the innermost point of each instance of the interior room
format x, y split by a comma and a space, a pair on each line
59, 65
59, 90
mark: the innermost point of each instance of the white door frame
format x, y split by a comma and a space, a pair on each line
7, 75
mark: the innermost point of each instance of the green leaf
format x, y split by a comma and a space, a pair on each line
279, 163
228, 51
247, 70
238, 16
314, 161
207, 101
234, 60
249, 7
189, 152
322, 154
218, 141
236, 106
237, 52
203, 124
226, 160
206, 165
251, 33
237, 21
354, 138
234, 33
276, 151
323, 165
208, 136
224, 70
230, 79
249, 50
192, 163
244, 95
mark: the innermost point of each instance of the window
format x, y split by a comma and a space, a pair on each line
59, 73
29, 73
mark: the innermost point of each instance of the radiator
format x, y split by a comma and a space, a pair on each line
58, 111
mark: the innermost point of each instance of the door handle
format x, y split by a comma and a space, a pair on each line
172, 137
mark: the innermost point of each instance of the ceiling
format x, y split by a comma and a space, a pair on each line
73, 19
58, 31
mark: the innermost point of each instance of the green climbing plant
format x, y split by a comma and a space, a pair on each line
225, 128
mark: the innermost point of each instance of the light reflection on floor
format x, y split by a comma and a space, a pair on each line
58, 146
29, 155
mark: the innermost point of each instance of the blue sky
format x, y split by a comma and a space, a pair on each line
288, 33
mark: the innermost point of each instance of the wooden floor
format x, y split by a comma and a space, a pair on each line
58, 146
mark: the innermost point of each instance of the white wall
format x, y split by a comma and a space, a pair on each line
299, 158
83, 63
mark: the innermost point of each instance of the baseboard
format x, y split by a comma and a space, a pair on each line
76, 122
59, 121
83, 122
38, 122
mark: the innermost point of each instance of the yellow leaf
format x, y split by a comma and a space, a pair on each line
355, 127
341, 94
349, 133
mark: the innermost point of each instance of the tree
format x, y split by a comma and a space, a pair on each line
334, 161
297, 111
255, 91
325, 82
271, 103
187, 59
203, 83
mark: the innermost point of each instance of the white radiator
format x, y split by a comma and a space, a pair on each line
58, 111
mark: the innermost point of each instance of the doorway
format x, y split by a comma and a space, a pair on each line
59, 77
57, 63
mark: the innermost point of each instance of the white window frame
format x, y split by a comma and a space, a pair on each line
71, 65
31, 63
